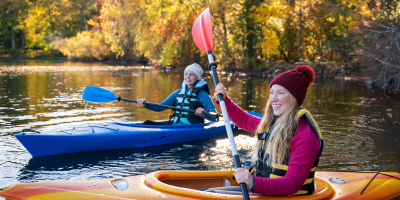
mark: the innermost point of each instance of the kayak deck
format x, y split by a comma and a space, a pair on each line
182, 185
115, 136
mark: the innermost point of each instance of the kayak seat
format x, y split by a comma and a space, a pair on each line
29, 131
149, 122
186, 184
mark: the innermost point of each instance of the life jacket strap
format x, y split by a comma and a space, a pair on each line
182, 95
180, 104
261, 154
261, 136
179, 114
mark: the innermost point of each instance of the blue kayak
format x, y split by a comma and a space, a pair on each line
115, 136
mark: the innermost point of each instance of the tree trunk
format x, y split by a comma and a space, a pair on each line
250, 39
101, 30
85, 25
224, 42
299, 35
50, 20
228, 53
23, 41
12, 37
284, 55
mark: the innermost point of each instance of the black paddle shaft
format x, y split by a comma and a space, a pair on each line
212, 67
166, 106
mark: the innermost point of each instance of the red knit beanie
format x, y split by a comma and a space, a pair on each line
296, 81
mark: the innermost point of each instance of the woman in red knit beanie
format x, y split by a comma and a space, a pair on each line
289, 140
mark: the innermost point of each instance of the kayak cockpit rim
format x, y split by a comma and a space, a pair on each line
138, 124
187, 183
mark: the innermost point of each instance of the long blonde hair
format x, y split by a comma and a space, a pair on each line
281, 137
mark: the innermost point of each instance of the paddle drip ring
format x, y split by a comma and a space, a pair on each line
211, 65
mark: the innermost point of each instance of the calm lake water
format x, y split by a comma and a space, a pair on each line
360, 125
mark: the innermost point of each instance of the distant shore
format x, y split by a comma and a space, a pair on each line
322, 69
6, 57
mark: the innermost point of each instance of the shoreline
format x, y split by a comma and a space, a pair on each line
6, 57
2, 57
322, 69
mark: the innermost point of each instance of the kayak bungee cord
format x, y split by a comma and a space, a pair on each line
369, 182
86, 104
362, 172
376, 174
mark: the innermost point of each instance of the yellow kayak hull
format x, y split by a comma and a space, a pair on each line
182, 185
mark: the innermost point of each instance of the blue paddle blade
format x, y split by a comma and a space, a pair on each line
98, 95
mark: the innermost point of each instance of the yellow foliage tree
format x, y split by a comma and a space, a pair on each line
86, 45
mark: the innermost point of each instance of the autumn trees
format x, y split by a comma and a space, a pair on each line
248, 34
380, 36
10, 18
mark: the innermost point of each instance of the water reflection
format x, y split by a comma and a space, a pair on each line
358, 124
126, 162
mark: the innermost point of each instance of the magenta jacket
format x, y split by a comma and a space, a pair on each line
304, 149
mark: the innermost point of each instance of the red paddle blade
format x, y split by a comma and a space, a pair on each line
202, 31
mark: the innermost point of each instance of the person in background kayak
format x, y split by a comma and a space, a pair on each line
194, 94
289, 141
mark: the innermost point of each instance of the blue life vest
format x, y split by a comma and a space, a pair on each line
193, 103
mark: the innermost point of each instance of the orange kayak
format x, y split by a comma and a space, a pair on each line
182, 185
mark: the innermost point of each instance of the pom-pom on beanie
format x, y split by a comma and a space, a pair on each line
296, 81
196, 69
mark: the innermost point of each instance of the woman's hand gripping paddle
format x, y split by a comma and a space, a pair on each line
203, 37
101, 95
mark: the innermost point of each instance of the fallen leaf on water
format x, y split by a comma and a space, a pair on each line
389, 110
